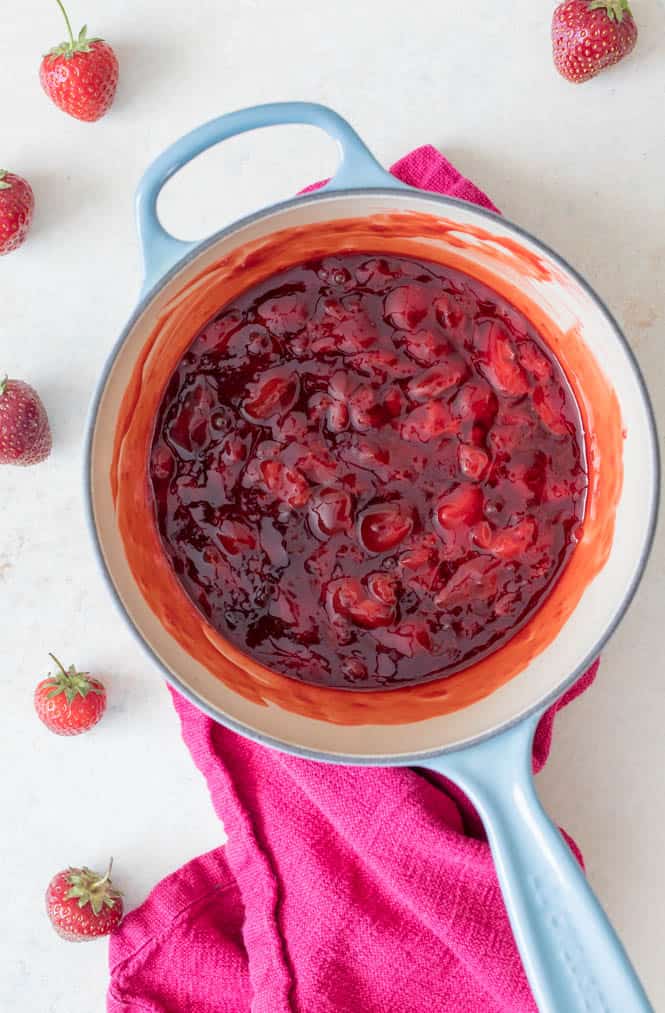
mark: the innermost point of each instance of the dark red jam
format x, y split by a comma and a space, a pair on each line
368, 471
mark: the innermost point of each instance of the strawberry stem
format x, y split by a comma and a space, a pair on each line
69, 27
58, 663
104, 879
3, 384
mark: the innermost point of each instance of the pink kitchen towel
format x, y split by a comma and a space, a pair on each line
341, 889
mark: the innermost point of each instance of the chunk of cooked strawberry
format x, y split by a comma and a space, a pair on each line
409, 638
347, 598
508, 604
365, 409
274, 393
248, 340
233, 450
533, 360
420, 563
473, 461
367, 453
333, 309
383, 585
476, 580
476, 402
318, 405
382, 365
454, 309
549, 400
287, 484
162, 462
427, 422
407, 306
426, 347
383, 527
422, 551
285, 314
393, 401
342, 385
499, 363
514, 426
438, 380
292, 428
462, 506
236, 537
286, 606
318, 465
354, 333
355, 670
189, 430
481, 534
375, 274
509, 543
268, 449
217, 333
338, 417
330, 510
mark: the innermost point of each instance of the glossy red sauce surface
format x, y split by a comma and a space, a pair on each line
368, 471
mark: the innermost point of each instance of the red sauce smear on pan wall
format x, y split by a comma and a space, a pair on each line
183, 318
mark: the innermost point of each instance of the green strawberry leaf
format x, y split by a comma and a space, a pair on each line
615, 9
87, 887
72, 683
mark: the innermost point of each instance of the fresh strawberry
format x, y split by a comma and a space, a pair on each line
69, 702
25, 434
589, 35
17, 202
80, 76
82, 904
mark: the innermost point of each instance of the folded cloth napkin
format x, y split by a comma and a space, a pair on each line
341, 889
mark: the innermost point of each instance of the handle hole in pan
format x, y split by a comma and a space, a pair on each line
242, 175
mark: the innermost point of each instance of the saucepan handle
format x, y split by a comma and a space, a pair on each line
573, 959
357, 168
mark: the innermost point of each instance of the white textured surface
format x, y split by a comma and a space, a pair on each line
580, 167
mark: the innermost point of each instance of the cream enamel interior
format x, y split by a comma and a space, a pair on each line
566, 302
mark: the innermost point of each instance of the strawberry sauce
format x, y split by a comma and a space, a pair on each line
368, 471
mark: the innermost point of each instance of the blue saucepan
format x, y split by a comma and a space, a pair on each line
572, 956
